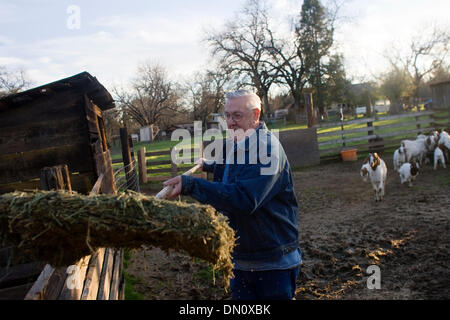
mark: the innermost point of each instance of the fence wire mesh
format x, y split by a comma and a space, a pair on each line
126, 178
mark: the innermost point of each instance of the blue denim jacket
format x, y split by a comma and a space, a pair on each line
262, 208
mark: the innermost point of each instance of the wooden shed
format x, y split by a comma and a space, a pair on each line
441, 94
56, 124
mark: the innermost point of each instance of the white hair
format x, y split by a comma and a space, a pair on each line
254, 102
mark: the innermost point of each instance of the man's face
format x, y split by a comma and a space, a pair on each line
238, 116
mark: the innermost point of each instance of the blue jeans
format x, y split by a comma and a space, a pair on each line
267, 285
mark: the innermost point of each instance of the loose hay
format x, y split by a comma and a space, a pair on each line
60, 228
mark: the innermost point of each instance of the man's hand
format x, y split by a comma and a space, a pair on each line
176, 186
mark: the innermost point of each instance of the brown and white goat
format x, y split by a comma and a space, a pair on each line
375, 168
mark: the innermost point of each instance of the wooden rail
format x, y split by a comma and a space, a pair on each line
171, 169
378, 134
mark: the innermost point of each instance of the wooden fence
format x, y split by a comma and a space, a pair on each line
167, 166
374, 134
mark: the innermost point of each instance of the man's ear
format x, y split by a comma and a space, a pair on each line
256, 114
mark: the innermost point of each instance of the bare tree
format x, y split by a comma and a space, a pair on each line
427, 53
12, 81
242, 46
300, 59
152, 97
206, 93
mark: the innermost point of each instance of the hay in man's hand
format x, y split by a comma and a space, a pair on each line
60, 228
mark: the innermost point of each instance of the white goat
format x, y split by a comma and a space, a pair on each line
438, 157
399, 158
444, 139
375, 168
414, 149
408, 172
443, 142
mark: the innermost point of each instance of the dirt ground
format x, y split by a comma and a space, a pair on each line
343, 231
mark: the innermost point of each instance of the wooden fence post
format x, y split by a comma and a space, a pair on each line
432, 121
417, 124
142, 165
126, 155
56, 177
173, 164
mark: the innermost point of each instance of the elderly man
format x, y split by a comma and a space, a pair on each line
258, 197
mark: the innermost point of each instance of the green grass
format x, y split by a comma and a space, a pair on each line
444, 181
130, 280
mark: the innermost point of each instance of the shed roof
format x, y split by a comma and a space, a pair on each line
440, 83
83, 82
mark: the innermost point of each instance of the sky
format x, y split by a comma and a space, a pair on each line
54, 39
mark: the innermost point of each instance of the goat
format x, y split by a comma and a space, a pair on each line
444, 139
399, 158
444, 143
408, 172
439, 156
414, 149
375, 168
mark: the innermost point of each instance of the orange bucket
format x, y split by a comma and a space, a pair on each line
349, 155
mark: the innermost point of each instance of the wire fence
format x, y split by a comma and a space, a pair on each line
126, 178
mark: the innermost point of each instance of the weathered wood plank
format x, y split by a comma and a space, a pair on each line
55, 284
366, 129
393, 134
103, 166
365, 147
91, 116
54, 108
106, 276
382, 135
407, 115
91, 283
402, 124
161, 170
27, 165
158, 163
73, 286
39, 135
81, 183
346, 140
38, 289
157, 153
116, 275
339, 123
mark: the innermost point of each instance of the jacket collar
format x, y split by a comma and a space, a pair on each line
249, 141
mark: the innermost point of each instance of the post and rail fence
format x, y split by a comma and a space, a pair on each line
374, 133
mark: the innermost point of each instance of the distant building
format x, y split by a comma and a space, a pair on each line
440, 92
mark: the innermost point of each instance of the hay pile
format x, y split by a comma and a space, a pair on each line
60, 228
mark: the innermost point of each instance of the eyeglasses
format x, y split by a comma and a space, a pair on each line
236, 116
